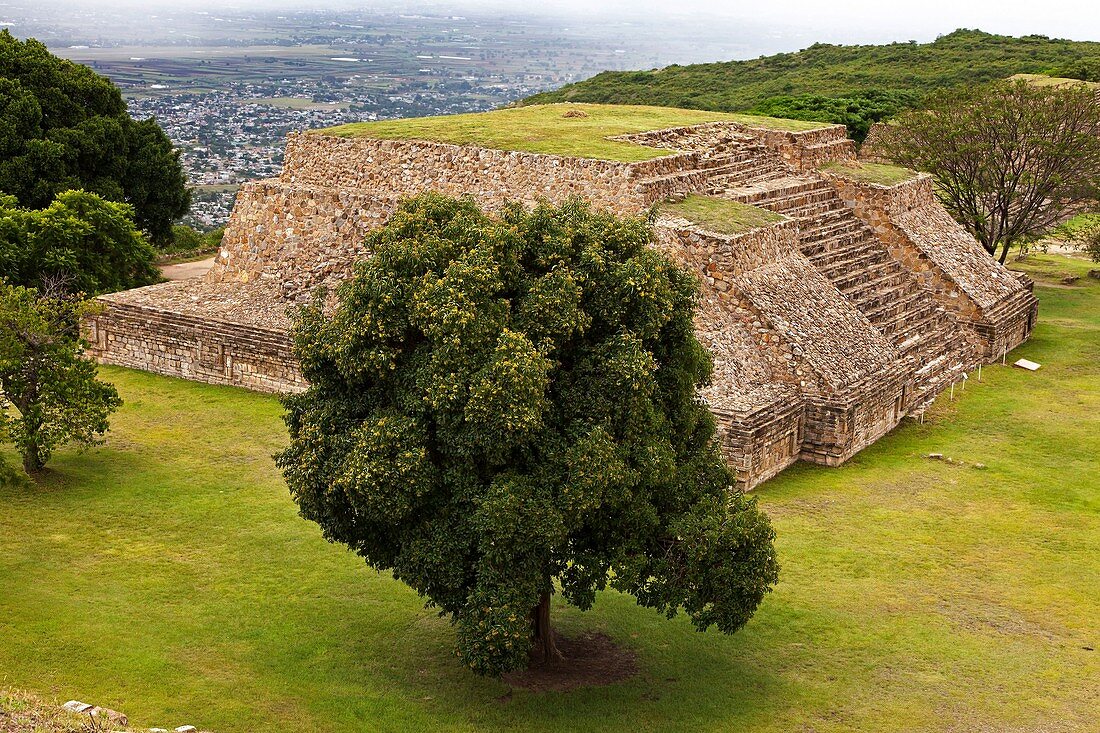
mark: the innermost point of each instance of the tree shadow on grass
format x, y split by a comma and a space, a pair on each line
673, 671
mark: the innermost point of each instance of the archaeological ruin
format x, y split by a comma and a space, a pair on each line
852, 307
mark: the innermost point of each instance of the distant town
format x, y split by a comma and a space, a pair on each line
228, 88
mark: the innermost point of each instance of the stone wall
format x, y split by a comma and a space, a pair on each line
801, 150
720, 257
219, 333
296, 235
840, 425
922, 236
192, 347
402, 168
810, 149
757, 445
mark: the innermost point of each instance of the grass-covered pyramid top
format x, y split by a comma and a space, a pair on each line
576, 130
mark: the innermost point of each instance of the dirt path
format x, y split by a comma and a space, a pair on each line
187, 270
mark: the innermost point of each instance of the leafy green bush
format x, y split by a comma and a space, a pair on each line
1090, 242
857, 112
80, 243
187, 239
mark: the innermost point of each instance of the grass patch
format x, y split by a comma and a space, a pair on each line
1077, 227
167, 575
1052, 268
544, 129
880, 173
721, 215
21, 712
1044, 80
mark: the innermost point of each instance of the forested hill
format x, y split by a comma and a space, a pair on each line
852, 85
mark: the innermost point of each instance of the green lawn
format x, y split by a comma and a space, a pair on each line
545, 129
1077, 226
721, 216
168, 575
880, 173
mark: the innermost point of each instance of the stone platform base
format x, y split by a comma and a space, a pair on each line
189, 342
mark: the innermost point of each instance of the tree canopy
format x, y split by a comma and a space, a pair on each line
45, 377
1011, 159
79, 243
64, 127
501, 405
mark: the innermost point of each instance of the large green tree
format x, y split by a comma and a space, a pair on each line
502, 406
80, 243
64, 127
45, 377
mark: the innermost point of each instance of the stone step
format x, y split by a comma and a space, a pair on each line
741, 156
830, 251
928, 368
937, 368
826, 253
871, 294
722, 184
869, 265
886, 314
815, 210
857, 259
794, 199
778, 187
914, 325
718, 157
838, 224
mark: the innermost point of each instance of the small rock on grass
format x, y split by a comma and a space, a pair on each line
114, 716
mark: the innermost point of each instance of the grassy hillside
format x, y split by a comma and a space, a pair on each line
559, 129
167, 575
852, 85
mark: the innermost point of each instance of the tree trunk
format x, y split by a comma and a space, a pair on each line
543, 648
32, 459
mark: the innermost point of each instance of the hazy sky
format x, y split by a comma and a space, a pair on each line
828, 19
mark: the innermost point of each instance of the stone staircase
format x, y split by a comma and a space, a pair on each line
737, 162
849, 255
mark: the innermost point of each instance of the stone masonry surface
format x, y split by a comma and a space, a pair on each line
826, 328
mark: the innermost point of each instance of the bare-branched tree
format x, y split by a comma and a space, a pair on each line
1010, 158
